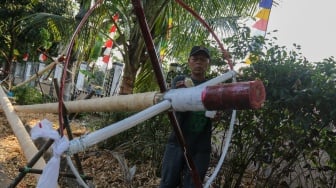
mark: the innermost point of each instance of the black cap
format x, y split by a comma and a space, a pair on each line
199, 50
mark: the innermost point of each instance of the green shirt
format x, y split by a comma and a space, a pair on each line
195, 126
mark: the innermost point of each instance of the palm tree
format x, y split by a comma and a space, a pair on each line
184, 33
15, 40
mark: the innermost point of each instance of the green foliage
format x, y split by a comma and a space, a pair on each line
26, 95
291, 136
26, 26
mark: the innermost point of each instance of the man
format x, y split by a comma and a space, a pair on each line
196, 129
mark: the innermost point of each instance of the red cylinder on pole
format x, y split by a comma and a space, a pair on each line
239, 96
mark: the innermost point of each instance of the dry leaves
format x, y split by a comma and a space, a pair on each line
99, 164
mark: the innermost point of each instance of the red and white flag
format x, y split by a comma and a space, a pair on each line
25, 57
42, 57
109, 42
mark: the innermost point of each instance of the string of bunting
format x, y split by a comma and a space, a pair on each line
109, 42
260, 26
42, 57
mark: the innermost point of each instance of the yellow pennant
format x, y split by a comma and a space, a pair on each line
248, 61
170, 23
263, 14
251, 58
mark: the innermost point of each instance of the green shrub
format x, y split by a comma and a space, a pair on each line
26, 95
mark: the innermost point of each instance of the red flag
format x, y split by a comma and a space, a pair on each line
261, 25
25, 57
113, 29
42, 57
106, 58
109, 42
116, 17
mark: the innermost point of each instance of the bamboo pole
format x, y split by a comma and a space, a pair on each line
50, 66
239, 95
120, 103
26, 143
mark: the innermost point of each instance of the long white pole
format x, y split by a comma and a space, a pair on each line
80, 144
219, 79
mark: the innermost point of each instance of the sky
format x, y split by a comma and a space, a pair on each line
309, 23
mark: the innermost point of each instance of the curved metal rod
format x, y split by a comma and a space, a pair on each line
227, 57
226, 54
66, 63
159, 76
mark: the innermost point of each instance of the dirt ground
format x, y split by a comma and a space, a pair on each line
106, 168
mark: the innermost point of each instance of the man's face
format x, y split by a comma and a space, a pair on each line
198, 64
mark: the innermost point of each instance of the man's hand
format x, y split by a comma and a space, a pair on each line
180, 84
218, 116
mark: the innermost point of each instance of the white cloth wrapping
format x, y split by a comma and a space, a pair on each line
50, 173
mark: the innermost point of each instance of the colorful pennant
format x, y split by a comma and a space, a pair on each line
109, 42
260, 25
266, 4
164, 44
263, 14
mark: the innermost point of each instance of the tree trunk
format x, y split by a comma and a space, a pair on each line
134, 56
128, 80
